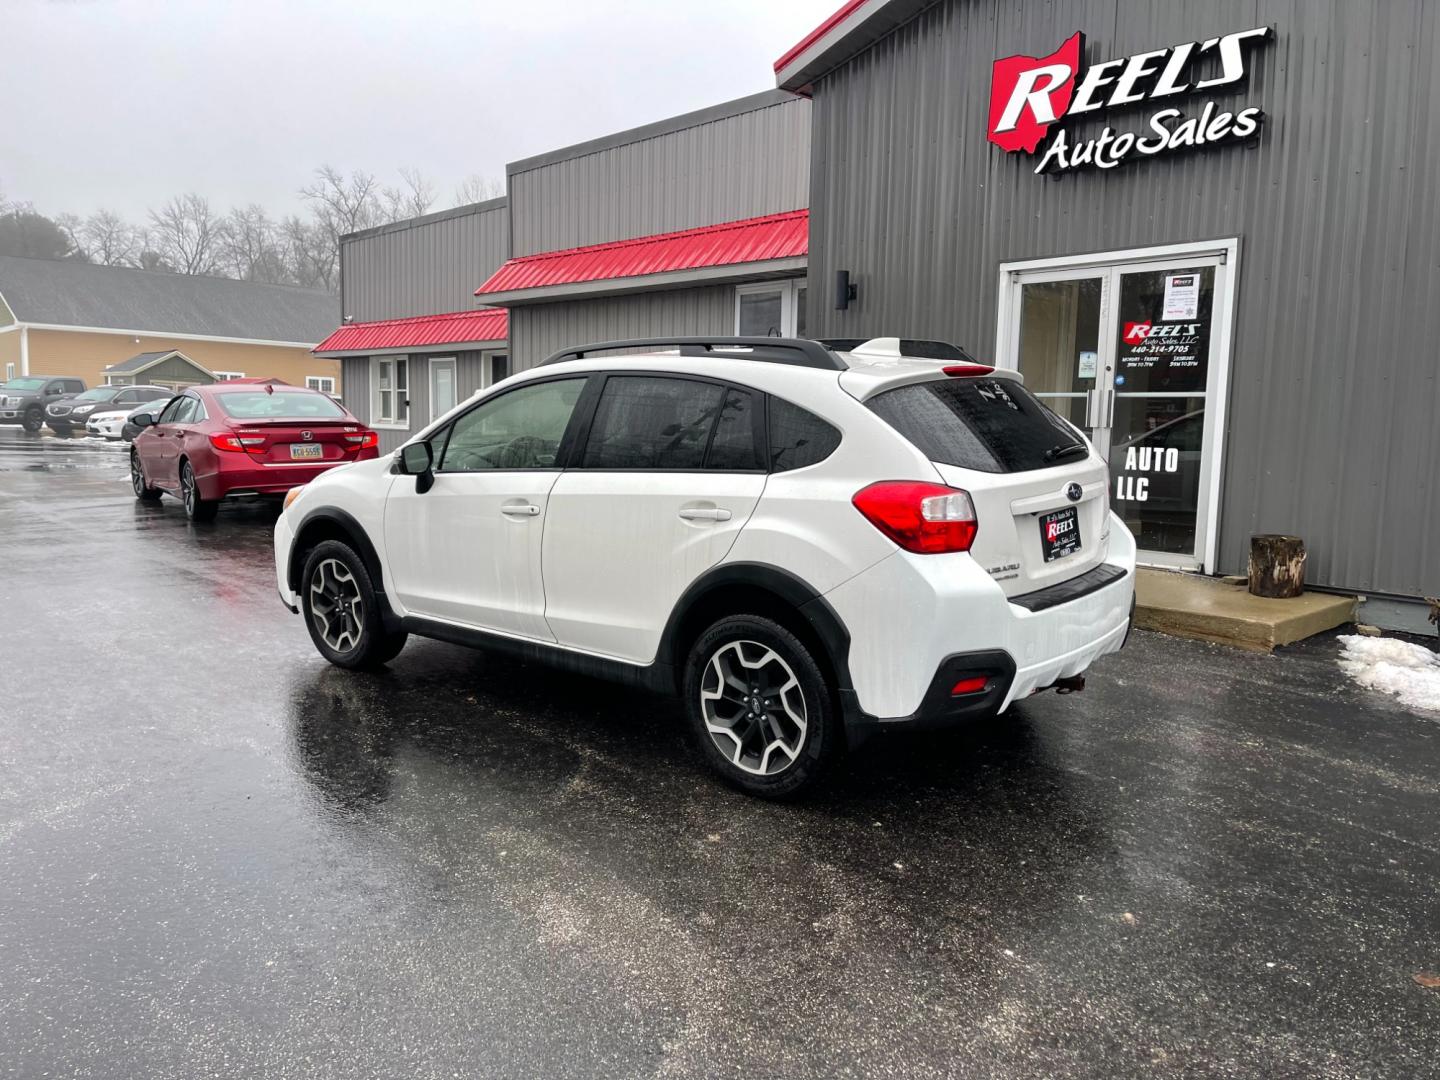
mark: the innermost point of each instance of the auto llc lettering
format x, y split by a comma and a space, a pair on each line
1143, 459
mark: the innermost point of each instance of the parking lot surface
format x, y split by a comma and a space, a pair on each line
221, 856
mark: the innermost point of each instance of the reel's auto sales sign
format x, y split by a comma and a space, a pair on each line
1029, 95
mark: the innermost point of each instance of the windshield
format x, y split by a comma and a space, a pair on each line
100, 393
24, 384
286, 404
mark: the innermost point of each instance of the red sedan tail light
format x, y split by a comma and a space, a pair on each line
364, 441
224, 440
928, 519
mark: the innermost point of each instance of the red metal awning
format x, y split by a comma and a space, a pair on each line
733, 243
424, 331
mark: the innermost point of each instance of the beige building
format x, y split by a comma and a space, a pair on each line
59, 317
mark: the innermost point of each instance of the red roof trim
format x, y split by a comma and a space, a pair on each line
761, 239
820, 31
421, 331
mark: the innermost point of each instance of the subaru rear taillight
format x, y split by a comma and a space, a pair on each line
928, 519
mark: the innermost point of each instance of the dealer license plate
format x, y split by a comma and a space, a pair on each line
1060, 533
299, 450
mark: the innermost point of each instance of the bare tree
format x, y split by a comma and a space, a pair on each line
73, 229
414, 199
476, 188
251, 247
110, 240
311, 254
187, 234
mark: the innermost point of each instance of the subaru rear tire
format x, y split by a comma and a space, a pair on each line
337, 598
760, 708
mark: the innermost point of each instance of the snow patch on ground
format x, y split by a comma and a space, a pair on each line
1410, 672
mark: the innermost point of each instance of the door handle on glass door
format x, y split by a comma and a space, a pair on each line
520, 509
698, 513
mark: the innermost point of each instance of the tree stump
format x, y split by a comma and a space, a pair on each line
1277, 566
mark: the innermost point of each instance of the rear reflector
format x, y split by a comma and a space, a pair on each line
971, 685
964, 371
928, 519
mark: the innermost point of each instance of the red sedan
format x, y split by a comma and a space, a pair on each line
234, 441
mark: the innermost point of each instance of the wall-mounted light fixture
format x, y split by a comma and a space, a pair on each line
844, 291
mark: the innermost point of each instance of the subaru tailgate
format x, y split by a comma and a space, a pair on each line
1039, 489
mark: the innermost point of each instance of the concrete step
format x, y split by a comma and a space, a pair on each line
1188, 605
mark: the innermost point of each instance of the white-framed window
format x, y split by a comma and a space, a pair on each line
226, 376
497, 367
390, 377
324, 383
9, 371
771, 309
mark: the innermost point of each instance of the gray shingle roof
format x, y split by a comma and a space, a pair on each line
66, 293
140, 360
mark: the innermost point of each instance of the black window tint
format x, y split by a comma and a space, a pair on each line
733, 448
650, 423
990, 425
797, 437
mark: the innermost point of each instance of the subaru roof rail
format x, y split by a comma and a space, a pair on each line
798, 352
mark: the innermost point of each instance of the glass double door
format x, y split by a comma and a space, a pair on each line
1129, 352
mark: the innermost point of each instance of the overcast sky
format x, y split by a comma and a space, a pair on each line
122, 103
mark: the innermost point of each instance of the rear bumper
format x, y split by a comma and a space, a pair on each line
918, 622
237, 479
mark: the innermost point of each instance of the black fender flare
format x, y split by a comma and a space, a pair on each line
799, 594
359, 539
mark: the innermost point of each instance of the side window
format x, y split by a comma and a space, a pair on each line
643, 422
797, 437
125, 397
170, 412
733, 447
58, 387
185, 411
521, 429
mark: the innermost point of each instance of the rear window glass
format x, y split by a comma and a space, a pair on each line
797, 437
290, 404
989, 425
652, 423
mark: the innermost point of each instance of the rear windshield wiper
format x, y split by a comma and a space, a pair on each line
1055, 453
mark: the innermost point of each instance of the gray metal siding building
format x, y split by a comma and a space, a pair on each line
1326, 226
423, 270
425, 265
743, 159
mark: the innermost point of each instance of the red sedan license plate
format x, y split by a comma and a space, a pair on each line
1060, 533
301, 450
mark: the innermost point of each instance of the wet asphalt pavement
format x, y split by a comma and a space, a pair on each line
220, 856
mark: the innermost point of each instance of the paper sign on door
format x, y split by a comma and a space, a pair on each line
1182, 297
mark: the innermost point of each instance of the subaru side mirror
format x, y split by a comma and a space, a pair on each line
418, 460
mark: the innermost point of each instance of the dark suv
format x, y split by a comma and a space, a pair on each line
23, 400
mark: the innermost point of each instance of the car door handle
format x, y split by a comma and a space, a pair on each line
699, 513
520, 509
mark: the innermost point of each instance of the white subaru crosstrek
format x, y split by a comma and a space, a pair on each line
808, 541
